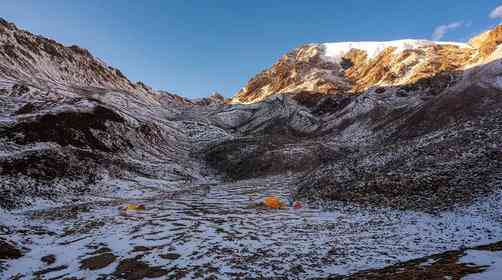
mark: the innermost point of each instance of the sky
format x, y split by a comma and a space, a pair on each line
193, 48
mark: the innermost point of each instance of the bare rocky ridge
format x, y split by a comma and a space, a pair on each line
36, 59
402, 131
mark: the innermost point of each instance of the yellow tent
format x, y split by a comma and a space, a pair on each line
135, 207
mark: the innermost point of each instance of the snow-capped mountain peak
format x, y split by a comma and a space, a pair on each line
354, 67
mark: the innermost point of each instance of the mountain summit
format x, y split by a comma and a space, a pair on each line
355, 67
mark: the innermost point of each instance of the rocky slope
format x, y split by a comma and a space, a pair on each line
382, 123
69, 122
37, 59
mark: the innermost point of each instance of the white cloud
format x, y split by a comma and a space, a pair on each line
496, 13
441, 30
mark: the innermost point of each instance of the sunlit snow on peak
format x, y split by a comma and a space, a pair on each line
335, 51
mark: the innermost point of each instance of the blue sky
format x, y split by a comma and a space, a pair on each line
195, 47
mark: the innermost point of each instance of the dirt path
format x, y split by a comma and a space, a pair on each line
213, 233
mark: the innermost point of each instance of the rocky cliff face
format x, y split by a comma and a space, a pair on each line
487, 42
355, 67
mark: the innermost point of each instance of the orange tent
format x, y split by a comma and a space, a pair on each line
273, 202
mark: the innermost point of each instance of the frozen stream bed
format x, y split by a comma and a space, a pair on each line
214, 232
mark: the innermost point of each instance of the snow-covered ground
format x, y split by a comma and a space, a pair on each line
215, 230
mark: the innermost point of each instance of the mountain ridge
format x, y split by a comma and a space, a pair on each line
45, 63
355, 67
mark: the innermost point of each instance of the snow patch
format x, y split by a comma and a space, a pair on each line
493, 260
498, 82
335, 51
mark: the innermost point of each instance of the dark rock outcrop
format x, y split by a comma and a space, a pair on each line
9, 250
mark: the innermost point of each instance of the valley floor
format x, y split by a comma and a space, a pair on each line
215, 231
